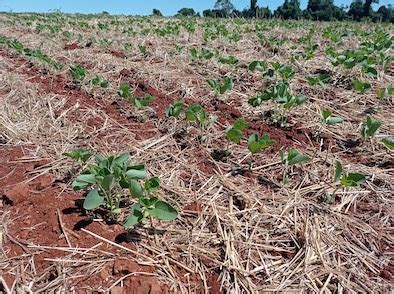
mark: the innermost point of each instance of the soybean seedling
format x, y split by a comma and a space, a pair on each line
292, 157
77, 72
174, 110
329, 119
142, 102
234, 132
361, 87
220, 87
196, 113
99, 81
125, 92
369, 127
343, 179
388, 142
256, 144
107, 178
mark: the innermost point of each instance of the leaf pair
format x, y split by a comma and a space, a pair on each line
196, 113
220, 87
77, 72
347, 179
292, 157
320, 79
175, 109
234, 132
360, 86
156, 208
370, 127
256, 143
330, 120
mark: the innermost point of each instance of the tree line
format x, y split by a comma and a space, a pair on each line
323, 10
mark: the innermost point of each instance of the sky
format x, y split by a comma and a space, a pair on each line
136, 7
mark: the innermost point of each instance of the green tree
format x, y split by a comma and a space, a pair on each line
385, 13
289, 10
156, 12
367, 7
253, 7
320, 10
224, 5
356, 11
186, 12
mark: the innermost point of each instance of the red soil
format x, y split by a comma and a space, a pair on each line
62, 86
33, 206
71, 46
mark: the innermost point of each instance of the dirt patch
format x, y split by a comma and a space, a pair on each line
34, 205
71, 46
62, 86
118, 54
293, 137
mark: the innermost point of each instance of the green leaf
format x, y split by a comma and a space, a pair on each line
93, 200
295, 157
326, 114
253, 144
389, 142
148, 202
333, 120
175, 109
360, 86
121, 159
352, 180
338, 171
265, 141
257, 65
240, 124
163, 211
382, 92
152, 184
83, 181
79, 154
135, 189
370, 127
234, 135
134, 217
106, 183
136, 174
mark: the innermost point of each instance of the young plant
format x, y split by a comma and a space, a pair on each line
256, 144
80, 155
148, 204
196, 113
370, 127
280, 94
360, 86
143, 50
99, 81
320, 79
343, 179
234, 132
124, 90
230, 60
77, 72
142, 102
220, 87
383, 92
258, 65
388, 142
330, 120
175, 109
107, 178
292, 157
